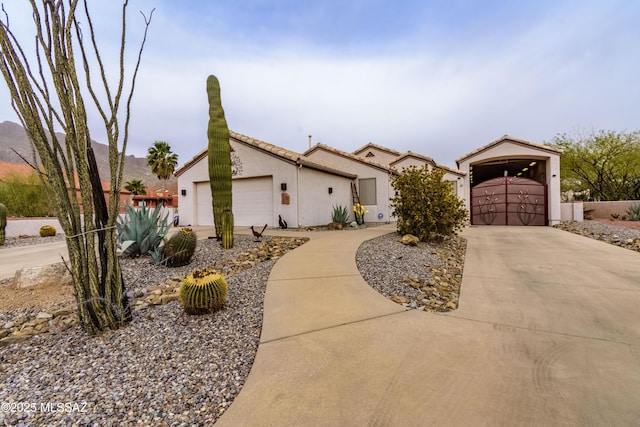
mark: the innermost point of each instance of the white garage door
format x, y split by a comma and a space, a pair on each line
252, 202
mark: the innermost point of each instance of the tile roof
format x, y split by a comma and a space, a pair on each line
506, 138
429, 160
283, 153
24, 170
348, 156
371, 145
20, 169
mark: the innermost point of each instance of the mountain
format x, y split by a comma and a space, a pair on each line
13, 137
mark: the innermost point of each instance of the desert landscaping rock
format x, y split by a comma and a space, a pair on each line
625, 237
165, 368
43, 275
425, 276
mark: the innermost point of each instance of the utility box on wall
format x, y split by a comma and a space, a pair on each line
285, 198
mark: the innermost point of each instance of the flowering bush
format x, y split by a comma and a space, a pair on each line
359, 211
425, 205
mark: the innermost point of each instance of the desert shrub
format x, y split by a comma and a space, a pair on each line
340, 215
25, 196
425, 204
634, 212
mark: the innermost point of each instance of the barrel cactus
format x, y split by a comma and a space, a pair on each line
203, 292
180, 248
3, 222
219, 152
47, 231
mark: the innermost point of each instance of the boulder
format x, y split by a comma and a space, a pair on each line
409, 240
334, 226
54, 274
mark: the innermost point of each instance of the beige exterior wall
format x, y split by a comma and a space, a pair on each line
363, 171
380, 156
316, 204
309, 200
519, 151
456, 181
607, 209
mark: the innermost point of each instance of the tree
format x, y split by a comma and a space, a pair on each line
425, 205
605, 164
162, 160
136, 186
47, 92
25, 196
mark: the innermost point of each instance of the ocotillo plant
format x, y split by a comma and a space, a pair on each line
219, 151
3, 222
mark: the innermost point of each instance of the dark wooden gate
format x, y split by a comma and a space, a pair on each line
509, 200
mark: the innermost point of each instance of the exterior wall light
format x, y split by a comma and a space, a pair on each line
330, 190
283, 186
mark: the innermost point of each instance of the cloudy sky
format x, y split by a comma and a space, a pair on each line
436, 77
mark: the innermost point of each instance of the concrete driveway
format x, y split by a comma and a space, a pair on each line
547, 333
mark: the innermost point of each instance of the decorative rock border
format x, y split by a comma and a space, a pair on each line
22, 328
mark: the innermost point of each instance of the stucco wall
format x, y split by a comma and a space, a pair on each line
316, 204
448, 176
606, 209
363, 171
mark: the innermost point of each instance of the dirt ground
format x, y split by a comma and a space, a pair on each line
37, 298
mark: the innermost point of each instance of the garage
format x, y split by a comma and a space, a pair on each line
512, 182
252, 202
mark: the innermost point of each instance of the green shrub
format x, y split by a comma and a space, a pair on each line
25, 196
142, 230
425, 206
634, 212
340, 215
47, 231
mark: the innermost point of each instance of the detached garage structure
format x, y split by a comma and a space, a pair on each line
268, 182
512, 182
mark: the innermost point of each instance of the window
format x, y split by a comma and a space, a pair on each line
370, 154
367, 191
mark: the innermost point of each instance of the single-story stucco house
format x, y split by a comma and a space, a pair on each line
270, 182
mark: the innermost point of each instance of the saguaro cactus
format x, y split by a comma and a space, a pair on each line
219, 152
3, 222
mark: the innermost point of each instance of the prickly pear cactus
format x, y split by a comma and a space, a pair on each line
3, 222
219, 151
180, 248
203, 291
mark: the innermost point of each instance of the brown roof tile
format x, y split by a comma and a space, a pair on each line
348, 156
506, 138
280, 152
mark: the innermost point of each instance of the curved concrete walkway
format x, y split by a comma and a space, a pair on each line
547, 333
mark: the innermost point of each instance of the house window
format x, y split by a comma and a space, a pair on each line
367, 191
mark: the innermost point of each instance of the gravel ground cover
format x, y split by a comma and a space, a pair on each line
170, 369
615, 234
165, 368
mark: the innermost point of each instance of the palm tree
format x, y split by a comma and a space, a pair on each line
162, 160
136, 186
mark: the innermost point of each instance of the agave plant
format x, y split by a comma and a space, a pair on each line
634, 212
142, 231
340, 215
